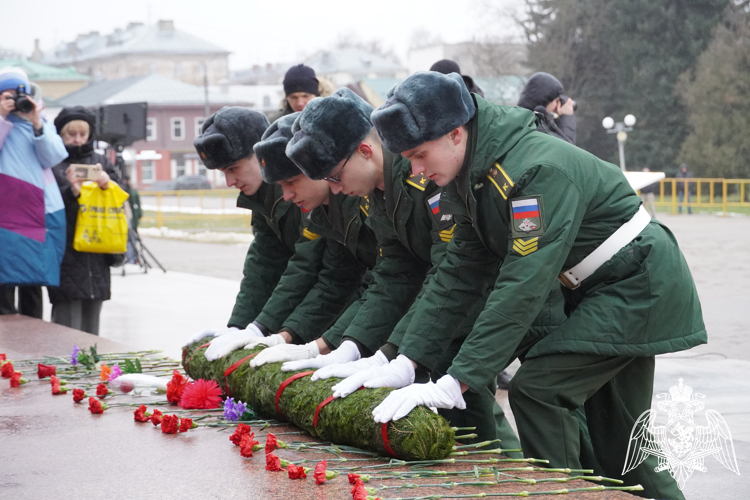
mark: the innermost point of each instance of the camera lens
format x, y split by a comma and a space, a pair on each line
23, 104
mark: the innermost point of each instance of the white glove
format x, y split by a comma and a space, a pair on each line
270, 341
445, 393
285, 352
230, 341
398, 373
350, 368
208, 333
347, 351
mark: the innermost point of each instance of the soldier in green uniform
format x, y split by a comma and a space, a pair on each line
413, 232
549, 211
280, 262
349, 247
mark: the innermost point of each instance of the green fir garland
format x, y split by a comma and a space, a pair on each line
421, 435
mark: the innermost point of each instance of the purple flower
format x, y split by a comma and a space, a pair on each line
233, 411
116, 372
74, 355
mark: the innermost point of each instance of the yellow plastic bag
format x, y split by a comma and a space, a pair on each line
101, 226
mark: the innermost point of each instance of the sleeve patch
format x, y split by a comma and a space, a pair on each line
526, 217
525, 247
447, 235
309, 234
500, 180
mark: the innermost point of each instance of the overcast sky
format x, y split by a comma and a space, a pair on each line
258, 32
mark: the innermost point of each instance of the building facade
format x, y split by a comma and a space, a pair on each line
141, 50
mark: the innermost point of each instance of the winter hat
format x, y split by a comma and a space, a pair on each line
446, 67
11, 77
540, 90
229, 135
300, 78
76, 113
327, 131
275, 166
422, 108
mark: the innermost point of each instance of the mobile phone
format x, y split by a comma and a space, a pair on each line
86, 172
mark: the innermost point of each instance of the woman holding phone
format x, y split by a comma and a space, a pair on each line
84, 277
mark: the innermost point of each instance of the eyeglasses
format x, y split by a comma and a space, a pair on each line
336, 179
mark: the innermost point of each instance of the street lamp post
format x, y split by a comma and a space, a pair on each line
621, 129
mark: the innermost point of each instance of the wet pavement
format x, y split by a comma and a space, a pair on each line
160, 311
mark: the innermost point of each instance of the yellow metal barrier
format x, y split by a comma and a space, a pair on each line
193, 209
716, 195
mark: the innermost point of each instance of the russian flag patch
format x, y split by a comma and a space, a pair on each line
434, 203
527, 219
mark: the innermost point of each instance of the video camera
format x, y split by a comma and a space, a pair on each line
122, 124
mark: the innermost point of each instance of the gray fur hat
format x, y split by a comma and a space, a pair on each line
327, 131
275, 166
422, 108
229, 135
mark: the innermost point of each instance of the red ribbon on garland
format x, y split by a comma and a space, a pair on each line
205, 345
386, 441
320, 407
232, 368
284, 385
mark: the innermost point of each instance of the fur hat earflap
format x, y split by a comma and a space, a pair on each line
422, 108
229, 135
275, 166
328, 131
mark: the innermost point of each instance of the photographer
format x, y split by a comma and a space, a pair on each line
544, 95
84, 276
32, 221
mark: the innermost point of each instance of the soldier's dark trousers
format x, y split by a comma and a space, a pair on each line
546, 393
482, 410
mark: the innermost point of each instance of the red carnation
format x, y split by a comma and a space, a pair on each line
296, 472
201, 395
320, 472
273, 463
7, 370
3, 357
170, 424
271, 443
186, 424
45, 370
96, 406
16, 380
156, 417
78, 395
247, 445
101, 391
140, 414
241, 430
358, 491
56, 389
175, 387
352, 478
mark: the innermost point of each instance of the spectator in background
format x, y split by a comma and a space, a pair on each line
84, 276
648, 195
446, 67
683, 188
134, 201
301, 85
32, 220
545, 95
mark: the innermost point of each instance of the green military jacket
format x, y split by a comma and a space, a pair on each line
410, 237
350, 252
539, 206
276, 225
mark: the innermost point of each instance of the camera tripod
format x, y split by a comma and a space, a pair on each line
141, 252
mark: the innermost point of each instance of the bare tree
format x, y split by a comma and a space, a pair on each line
8, 53
373, 46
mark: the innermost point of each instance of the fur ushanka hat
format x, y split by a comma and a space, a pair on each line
327, 131
229, 135
275, 166
422, 108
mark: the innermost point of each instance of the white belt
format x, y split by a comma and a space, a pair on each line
573, 277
